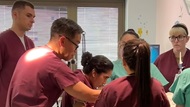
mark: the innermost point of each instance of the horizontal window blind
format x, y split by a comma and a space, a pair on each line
101, 31
40, 32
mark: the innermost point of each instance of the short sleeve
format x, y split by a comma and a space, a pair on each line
165, 102
65, 77
106, 98
155, 73
181, 88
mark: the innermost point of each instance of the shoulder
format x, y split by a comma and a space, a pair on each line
118, 69
158, 90
156, 82
8, 31
6, 34
110, 91
117, 62
164, 57
186, 71
184, 77
188, 52
47, 56
165, 54
5, 38
157, 87
113, 83
123, 83
80, 74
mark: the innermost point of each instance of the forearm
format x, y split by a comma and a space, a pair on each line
83, 92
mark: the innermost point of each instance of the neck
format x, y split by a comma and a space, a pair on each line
88, 78
18, 32
177, 52
132, 74
52, 46
129, 72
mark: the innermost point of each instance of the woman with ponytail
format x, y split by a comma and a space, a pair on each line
137, 89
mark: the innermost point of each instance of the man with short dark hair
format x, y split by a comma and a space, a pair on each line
41, 76
14, 42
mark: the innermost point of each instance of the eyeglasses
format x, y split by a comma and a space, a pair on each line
179, 38
72, 43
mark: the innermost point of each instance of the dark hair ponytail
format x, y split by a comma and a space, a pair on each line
137, 56
86, 57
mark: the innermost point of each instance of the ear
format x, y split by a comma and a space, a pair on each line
61, 41
124, 62
125, 65
14, 14
94, 73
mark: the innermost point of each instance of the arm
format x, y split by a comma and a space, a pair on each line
107, 98
83, 92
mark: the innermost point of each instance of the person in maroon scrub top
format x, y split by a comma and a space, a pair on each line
137, 89
168, 62
96, 70
41, 76
14, 42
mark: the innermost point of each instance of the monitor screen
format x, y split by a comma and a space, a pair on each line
154, 52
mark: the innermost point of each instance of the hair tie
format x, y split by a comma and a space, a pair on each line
182, 26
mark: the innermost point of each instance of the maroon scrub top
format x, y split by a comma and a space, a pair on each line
119, 94
39, 79
11, 49
68, 100
168, 65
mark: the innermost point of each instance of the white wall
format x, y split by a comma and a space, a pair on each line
168, 12
156, 17
142, 15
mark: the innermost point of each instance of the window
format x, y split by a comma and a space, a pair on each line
6, 20
40, 32
101, 31
102, 21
